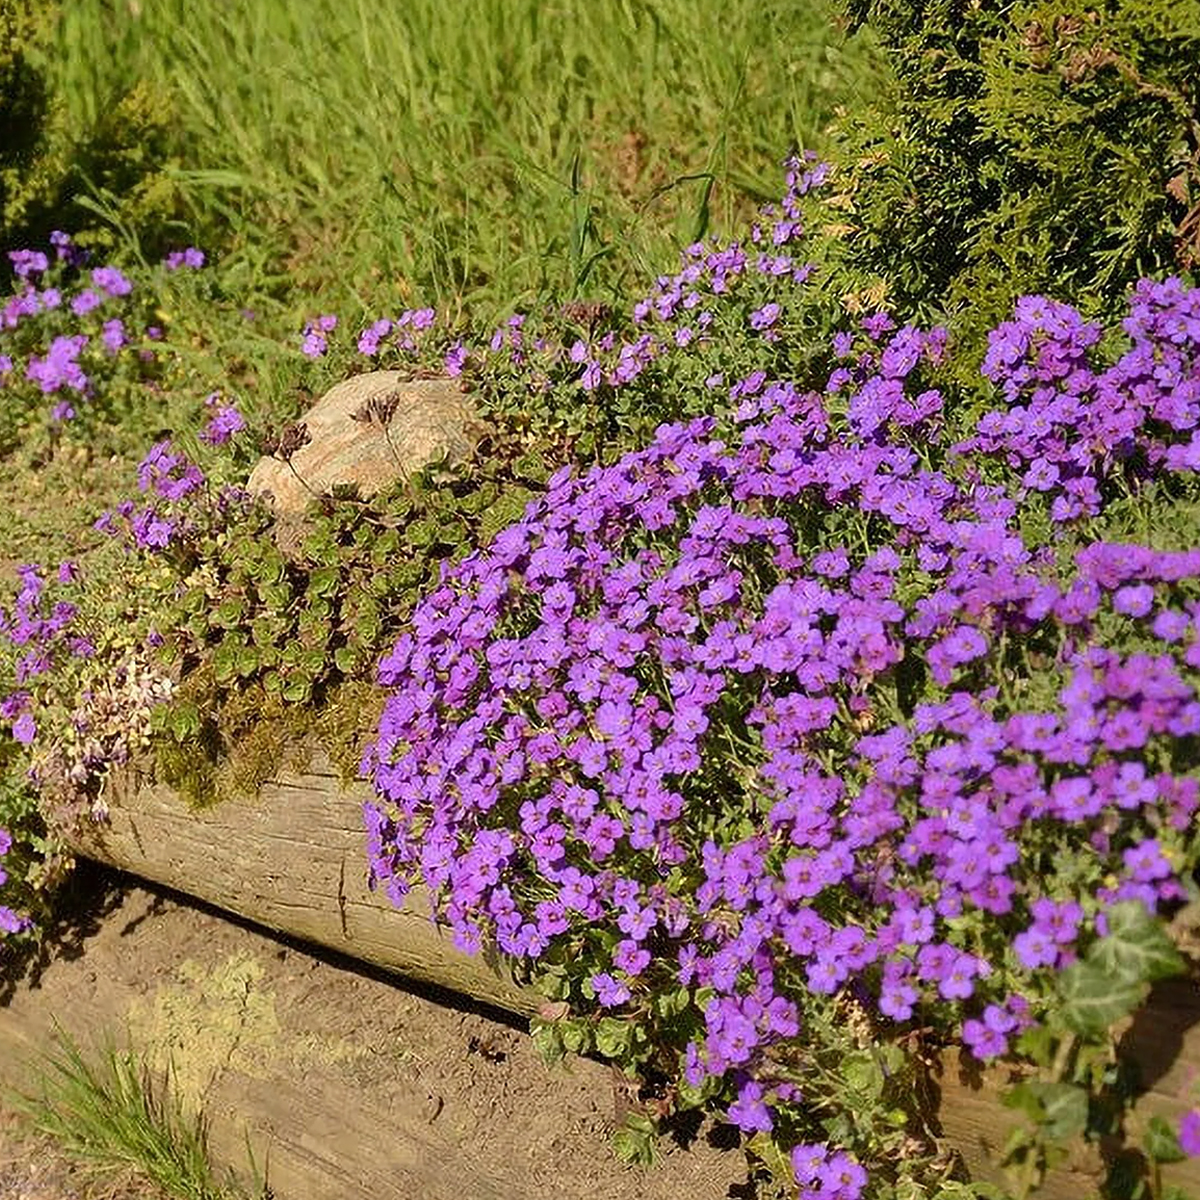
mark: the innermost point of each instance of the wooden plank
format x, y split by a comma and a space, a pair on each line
346, 1083
292, 859
1163, 1040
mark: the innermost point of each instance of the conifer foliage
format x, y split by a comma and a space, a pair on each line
1034, 147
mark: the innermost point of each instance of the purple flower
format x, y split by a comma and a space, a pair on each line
27, 262
189, 257
10, 922
222, 425
24, 729
112, 281
83, 304
113, 335
1189, 1133
610, 992
765, 317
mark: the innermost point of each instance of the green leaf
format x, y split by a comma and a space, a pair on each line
1162, 1142
229, 613
1023, 1099
576, 1036
313, 661
862, 1074
547, 1041
1064, 1109
276, 596
614, 1037
297, 691
695, 1097
422, 532
184, 720
634, 1141
195, 600
764, 1147
324, 581
672, 1003
1092, 999
271, 568
225, 662
1136, 947
247, 661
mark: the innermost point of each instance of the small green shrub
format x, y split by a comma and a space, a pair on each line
99, 171
1049, 147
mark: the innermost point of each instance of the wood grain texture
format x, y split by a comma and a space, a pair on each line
294, 860
1163, 1040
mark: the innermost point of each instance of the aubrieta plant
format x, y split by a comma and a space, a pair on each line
850, 717
786, 728
76, 343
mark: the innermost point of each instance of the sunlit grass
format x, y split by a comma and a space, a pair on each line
477, 154
109, 1113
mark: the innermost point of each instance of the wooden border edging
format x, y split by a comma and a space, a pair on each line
292, 859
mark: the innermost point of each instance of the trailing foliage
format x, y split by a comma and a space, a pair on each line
816, 724
1049, 147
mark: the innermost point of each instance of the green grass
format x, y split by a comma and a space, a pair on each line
110, 1115
484, 155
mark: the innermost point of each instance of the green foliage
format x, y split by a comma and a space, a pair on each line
99, 172
1039, 147
23, 98
274, 636
1081, 1089
108, 1111
493, 154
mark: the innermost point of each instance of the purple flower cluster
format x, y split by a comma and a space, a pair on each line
1067, 426
314, 342
223, 423
41, 631
61, 330
170, 476
10, 922
682, 309
1189, 1133
660, 723
59, 367
190, 258
825, 1176
404, 332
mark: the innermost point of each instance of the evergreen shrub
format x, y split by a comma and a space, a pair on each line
1049, 147
92, 170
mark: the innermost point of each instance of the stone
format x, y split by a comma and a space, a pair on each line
370, 431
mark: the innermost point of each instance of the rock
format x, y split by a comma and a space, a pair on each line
372, 430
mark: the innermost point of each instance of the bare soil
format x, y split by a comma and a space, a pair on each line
346, 1083
32, 1168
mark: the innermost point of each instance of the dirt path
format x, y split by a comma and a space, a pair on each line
353, 1085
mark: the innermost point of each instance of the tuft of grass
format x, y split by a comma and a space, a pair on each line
479, 155
112, 1116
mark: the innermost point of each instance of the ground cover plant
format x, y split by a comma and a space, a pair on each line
828, 713
754, 744
838, 704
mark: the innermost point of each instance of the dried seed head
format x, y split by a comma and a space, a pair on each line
588, 313
290, 439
